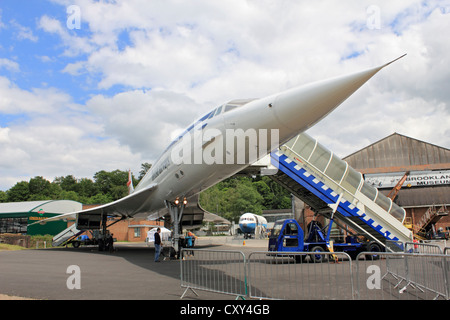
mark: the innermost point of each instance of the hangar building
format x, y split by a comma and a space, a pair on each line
16, 216
425, 192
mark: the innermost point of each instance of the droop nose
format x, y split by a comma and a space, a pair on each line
302, 107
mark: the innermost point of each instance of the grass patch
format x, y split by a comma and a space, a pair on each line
10, 247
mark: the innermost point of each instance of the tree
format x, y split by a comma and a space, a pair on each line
67, 183
264, 190
112, 184
3, 196
281, 197
238, 195
19, 192
69, 195
108, 186
87, 188
144, 168
42, 189
99, 199
229, 198
232, 198
39, 186
118, 192
246, 199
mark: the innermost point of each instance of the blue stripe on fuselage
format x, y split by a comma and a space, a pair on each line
248, 228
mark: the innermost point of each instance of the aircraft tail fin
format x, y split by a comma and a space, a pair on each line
130, 183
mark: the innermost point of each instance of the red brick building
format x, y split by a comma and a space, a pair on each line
132, 230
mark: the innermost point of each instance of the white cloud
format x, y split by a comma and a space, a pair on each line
2, 25
178, 45
409, 97
215, 51
173, 60
56, 138
23, 33
14, 100
4, 135
9, 65
73, 44
144, 121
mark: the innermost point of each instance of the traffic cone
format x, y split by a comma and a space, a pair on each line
243, 243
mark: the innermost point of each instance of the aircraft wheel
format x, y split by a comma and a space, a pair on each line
373, 247
317, 258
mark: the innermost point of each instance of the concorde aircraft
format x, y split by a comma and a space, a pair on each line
220, 144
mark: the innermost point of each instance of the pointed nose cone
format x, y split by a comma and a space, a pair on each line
300, 108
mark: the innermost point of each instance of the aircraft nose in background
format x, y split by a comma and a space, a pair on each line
302, 107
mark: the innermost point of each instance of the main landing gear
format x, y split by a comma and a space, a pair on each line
176, 209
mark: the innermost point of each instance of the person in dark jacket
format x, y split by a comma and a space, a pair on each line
157, 244
111, 243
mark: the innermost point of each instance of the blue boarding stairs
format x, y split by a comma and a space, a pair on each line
334, 189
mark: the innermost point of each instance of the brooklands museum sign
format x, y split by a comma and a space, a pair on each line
414, 179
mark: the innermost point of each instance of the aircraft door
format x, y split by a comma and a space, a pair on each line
292, 237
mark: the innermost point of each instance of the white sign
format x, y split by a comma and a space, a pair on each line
414, 179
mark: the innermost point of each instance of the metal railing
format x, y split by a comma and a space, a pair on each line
402, 276
299, 276
420, 247
214, 271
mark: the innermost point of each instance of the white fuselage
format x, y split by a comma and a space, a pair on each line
186, 168
248, 223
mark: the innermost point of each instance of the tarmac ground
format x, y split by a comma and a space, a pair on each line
129, 273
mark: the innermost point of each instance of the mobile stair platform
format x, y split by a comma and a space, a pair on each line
332, 188
65, 235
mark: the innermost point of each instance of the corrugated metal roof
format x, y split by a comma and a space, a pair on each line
49, 206
419, 197
399, 153
16, 207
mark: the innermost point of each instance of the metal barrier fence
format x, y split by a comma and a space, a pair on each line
419, 247
402, 276
299, 276
213, 271
291, 275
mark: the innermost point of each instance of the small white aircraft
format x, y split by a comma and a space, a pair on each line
249, 224
207, 153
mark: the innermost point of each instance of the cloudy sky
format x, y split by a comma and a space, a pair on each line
102, 85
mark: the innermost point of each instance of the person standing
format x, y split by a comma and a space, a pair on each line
157, 244
111, 242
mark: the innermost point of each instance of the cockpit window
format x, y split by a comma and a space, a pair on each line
212, 114
204, 117
219, 110
230, 107
225, 108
